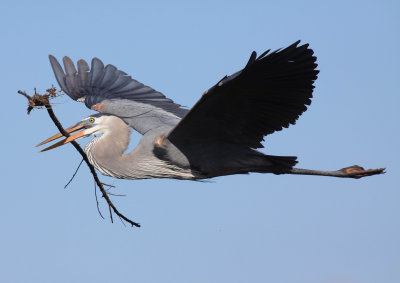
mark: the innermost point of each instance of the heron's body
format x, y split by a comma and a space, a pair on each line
156, 157
217, 137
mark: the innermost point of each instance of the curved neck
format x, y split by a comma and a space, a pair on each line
106, 151
113, 143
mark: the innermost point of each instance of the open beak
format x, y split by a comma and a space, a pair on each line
70, 130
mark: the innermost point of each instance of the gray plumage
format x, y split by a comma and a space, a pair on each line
139, 105
217, 137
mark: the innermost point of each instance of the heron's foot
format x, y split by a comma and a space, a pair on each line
358, 172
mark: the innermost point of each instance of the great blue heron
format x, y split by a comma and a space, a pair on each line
217, 137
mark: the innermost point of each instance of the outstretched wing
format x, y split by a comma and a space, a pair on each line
270, 93
109, 90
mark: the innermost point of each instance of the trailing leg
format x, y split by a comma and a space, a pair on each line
354, 171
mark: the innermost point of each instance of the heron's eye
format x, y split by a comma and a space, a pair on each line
91, 120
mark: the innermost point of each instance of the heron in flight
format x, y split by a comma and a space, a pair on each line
218, 136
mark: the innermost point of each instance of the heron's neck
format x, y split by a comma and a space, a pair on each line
106, 151
111, 144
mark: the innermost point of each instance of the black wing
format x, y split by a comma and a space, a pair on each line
109, 90
270, 93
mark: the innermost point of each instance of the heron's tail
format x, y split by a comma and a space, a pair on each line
275, 164
284, 161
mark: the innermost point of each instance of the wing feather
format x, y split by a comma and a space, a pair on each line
97, 73
142, 107
269, 94
83, 72
59, 73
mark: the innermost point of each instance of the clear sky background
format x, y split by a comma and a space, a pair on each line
249, 228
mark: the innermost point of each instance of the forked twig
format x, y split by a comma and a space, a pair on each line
38, 101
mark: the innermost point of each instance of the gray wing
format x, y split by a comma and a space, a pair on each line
270, 93
109, 90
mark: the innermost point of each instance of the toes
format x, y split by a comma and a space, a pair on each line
359, 172
353, 169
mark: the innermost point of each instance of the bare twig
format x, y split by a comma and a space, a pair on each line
97, 201
111, 217
111, 186
116, 195
73, 176
43, 100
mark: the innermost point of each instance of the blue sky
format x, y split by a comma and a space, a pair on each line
251, 228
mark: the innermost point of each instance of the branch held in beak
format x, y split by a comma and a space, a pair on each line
65, 141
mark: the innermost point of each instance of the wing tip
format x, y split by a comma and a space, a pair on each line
252, 59
58, 73
96, 62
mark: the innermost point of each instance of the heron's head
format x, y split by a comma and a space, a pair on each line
92, 125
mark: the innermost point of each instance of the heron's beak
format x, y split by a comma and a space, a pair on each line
64, 141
